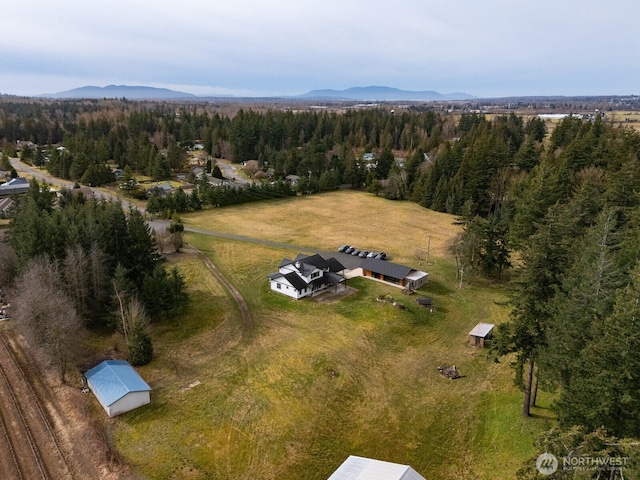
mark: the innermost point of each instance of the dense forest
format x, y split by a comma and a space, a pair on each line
324, 148
559, 211
76, 264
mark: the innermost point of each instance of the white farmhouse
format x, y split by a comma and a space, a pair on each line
306, 275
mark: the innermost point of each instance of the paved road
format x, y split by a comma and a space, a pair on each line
349, 261
230, 172
38, 174
160, 225
23, 168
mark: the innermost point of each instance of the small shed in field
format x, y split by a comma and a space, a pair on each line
425, 302
480, 334
362, 468
117, 386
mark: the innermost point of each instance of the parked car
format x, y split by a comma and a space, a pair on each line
343, 248
349, 250
372, 254
363, 254
355, 253
381, 256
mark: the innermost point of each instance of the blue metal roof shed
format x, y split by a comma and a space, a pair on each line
117, 386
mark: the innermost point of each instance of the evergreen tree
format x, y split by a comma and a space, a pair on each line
605, 387
531, 199
140, 348
538, 276
584, 298
139, 255
384, 163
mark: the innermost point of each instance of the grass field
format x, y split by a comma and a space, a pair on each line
329, 220
317, 381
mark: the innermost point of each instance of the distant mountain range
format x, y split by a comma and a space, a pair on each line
351, 94
120, 91
382, 94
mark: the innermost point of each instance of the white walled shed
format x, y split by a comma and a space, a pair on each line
117, 386
362, 468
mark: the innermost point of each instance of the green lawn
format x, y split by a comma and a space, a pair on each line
317, 381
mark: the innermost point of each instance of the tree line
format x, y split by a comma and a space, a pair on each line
81, 263
569, 221
444, 159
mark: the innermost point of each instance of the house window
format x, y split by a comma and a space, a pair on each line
279, 286
315, 274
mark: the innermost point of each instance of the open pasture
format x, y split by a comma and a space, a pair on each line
316, 381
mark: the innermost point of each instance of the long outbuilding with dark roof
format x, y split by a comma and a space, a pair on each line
394, 273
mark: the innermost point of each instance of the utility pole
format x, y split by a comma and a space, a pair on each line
428, 249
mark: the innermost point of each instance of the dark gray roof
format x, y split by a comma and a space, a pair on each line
323, 263
295, 280
333, 278
305, 265
316, 260
318, 282
334, 264
383, 267
285, 261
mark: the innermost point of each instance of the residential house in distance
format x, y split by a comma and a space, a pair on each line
162, 189
220, 182
6, 204
118, 173
306, 275
198, 172
14, 186
292, 179
369, 161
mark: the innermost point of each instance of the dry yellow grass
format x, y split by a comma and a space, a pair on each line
629, 119
329, 220
316, 381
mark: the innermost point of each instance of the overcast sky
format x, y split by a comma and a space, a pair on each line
490, 48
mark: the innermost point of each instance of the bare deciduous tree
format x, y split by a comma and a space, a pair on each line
75, 269
45, 314
131, 315
85, 278
161, 240
251, 167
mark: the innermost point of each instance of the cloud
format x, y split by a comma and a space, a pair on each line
286, 46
